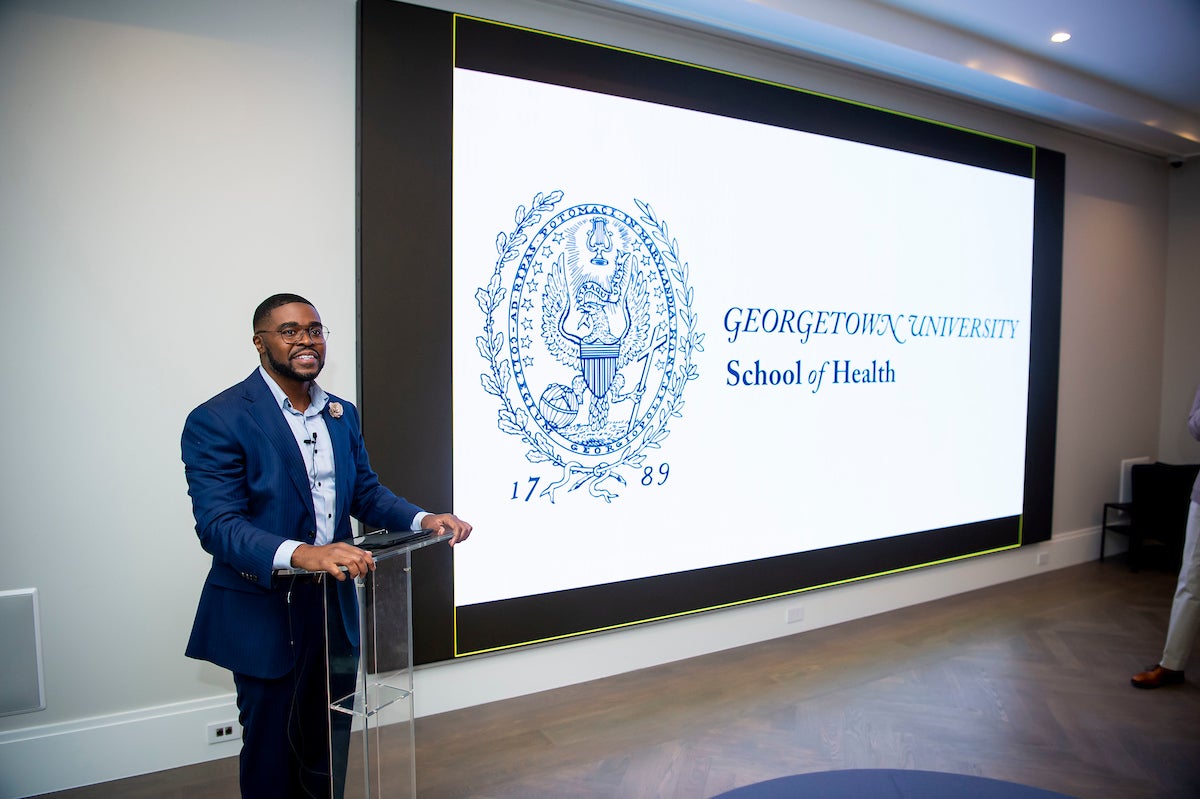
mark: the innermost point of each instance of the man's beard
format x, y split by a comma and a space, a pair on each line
286, 369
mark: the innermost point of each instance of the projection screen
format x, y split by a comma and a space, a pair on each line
675, 339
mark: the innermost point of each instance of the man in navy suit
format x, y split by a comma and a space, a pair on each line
275, 469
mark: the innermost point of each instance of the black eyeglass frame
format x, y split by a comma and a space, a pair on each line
292, 334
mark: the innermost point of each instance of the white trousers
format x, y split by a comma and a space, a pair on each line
1185, 610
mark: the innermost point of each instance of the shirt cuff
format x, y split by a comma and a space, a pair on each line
416, 522
283, 555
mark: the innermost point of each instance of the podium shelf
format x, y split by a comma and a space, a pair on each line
374, 698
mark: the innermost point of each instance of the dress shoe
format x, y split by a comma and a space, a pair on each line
1156, 677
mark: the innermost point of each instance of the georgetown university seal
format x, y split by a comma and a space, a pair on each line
589, 336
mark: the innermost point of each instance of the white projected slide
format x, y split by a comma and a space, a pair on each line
683, 340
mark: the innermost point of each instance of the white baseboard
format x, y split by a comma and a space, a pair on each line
58, 757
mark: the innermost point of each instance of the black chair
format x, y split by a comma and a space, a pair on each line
1157, 511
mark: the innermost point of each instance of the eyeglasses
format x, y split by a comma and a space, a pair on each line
291, 335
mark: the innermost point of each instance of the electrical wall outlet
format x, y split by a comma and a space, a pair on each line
795, 614
223, 731
1043, 558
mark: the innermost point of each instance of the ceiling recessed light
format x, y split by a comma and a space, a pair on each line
1060, 37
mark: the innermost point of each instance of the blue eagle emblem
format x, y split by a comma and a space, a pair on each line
599, 337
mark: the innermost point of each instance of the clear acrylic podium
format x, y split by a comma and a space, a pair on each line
372, 750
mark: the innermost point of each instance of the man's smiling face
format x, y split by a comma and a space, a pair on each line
301, 360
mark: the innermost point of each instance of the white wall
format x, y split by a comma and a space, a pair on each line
163, 167
166, 165
1181, 349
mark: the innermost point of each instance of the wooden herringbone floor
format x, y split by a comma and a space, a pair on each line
1027, 682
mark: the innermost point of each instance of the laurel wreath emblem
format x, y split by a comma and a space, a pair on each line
516, 421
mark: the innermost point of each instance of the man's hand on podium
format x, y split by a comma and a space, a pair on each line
331, 557
447, 523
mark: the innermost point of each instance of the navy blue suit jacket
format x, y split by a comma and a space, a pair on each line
250, 493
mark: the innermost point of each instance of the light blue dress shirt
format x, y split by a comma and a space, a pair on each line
312, 437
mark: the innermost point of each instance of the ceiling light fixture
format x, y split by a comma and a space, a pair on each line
1060, 37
